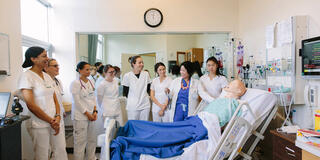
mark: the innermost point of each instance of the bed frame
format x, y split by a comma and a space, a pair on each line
230, 144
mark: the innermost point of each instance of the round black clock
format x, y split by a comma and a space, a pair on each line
153, 17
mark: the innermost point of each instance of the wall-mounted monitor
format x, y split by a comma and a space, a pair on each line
310, 53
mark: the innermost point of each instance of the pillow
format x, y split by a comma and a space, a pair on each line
260, 101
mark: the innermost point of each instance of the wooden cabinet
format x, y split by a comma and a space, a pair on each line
195, 54
283, 146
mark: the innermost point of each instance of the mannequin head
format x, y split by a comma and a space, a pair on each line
235, 89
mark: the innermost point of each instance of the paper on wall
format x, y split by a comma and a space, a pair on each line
270, 36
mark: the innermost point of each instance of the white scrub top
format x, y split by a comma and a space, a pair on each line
83, 99
138, 98
108, 98
211, 89
58, 89
43, 95
159, 91
98, 81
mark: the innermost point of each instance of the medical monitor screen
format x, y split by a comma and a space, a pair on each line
311, 57
4, 101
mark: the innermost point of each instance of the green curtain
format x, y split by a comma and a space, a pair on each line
92, 48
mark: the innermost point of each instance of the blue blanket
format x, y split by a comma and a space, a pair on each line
161, 140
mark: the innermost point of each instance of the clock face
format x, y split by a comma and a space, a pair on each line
153, 17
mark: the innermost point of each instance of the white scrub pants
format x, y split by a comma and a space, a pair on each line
157, 118
85, 139
59, 144
139, 114
41, 138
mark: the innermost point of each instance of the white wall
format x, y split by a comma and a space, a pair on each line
255, 15
10, 23
179, 43
73, 16
132, 44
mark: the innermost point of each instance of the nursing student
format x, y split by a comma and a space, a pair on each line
108, 95
135, 85
59, 141
84, 114
212, 83
38, 92
184, 93
158, 96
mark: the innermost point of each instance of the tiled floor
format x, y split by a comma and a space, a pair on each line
70, 156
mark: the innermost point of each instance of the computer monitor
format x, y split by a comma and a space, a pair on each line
310, 53
4, 102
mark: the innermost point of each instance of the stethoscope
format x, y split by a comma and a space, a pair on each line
82, 86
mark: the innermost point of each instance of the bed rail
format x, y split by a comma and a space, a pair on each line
227, 145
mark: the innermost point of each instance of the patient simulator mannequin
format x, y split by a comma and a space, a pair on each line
224, 107
164, 140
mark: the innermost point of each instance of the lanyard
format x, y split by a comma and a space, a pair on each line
84, 86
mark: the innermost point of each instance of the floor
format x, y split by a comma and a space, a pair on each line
70, 156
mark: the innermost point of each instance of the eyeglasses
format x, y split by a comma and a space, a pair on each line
112, 72
56, 65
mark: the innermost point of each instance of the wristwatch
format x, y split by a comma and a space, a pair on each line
95, 111
57, 115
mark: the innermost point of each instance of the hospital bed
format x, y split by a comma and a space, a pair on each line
258, 107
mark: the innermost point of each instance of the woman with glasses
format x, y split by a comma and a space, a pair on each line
108, 96
59, 141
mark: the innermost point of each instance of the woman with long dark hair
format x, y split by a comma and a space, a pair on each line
212, 83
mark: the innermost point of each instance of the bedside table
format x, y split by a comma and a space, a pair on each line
283, 146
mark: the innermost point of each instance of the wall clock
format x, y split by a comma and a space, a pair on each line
153, 17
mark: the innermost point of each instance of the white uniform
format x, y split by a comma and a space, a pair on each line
209, 90
159, 93
138, 103
108, 100
98, 81
39, 130
59, 141
193, 96
84, 132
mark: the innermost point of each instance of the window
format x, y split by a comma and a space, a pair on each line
100, 48
34, 25
34, 19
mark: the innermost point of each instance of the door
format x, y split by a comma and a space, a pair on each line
125, 65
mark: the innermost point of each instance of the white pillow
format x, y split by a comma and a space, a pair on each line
260, 101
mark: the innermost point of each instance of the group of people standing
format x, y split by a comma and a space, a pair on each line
172, 99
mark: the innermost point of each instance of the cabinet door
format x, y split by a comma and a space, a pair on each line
197, 55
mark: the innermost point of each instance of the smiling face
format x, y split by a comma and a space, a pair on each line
41, 60
184, 73
53, 68
138, 65
85, 71
161, 71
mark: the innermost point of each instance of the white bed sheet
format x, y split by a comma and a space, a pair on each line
261, 102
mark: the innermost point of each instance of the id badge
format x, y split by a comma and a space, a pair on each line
47, 85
